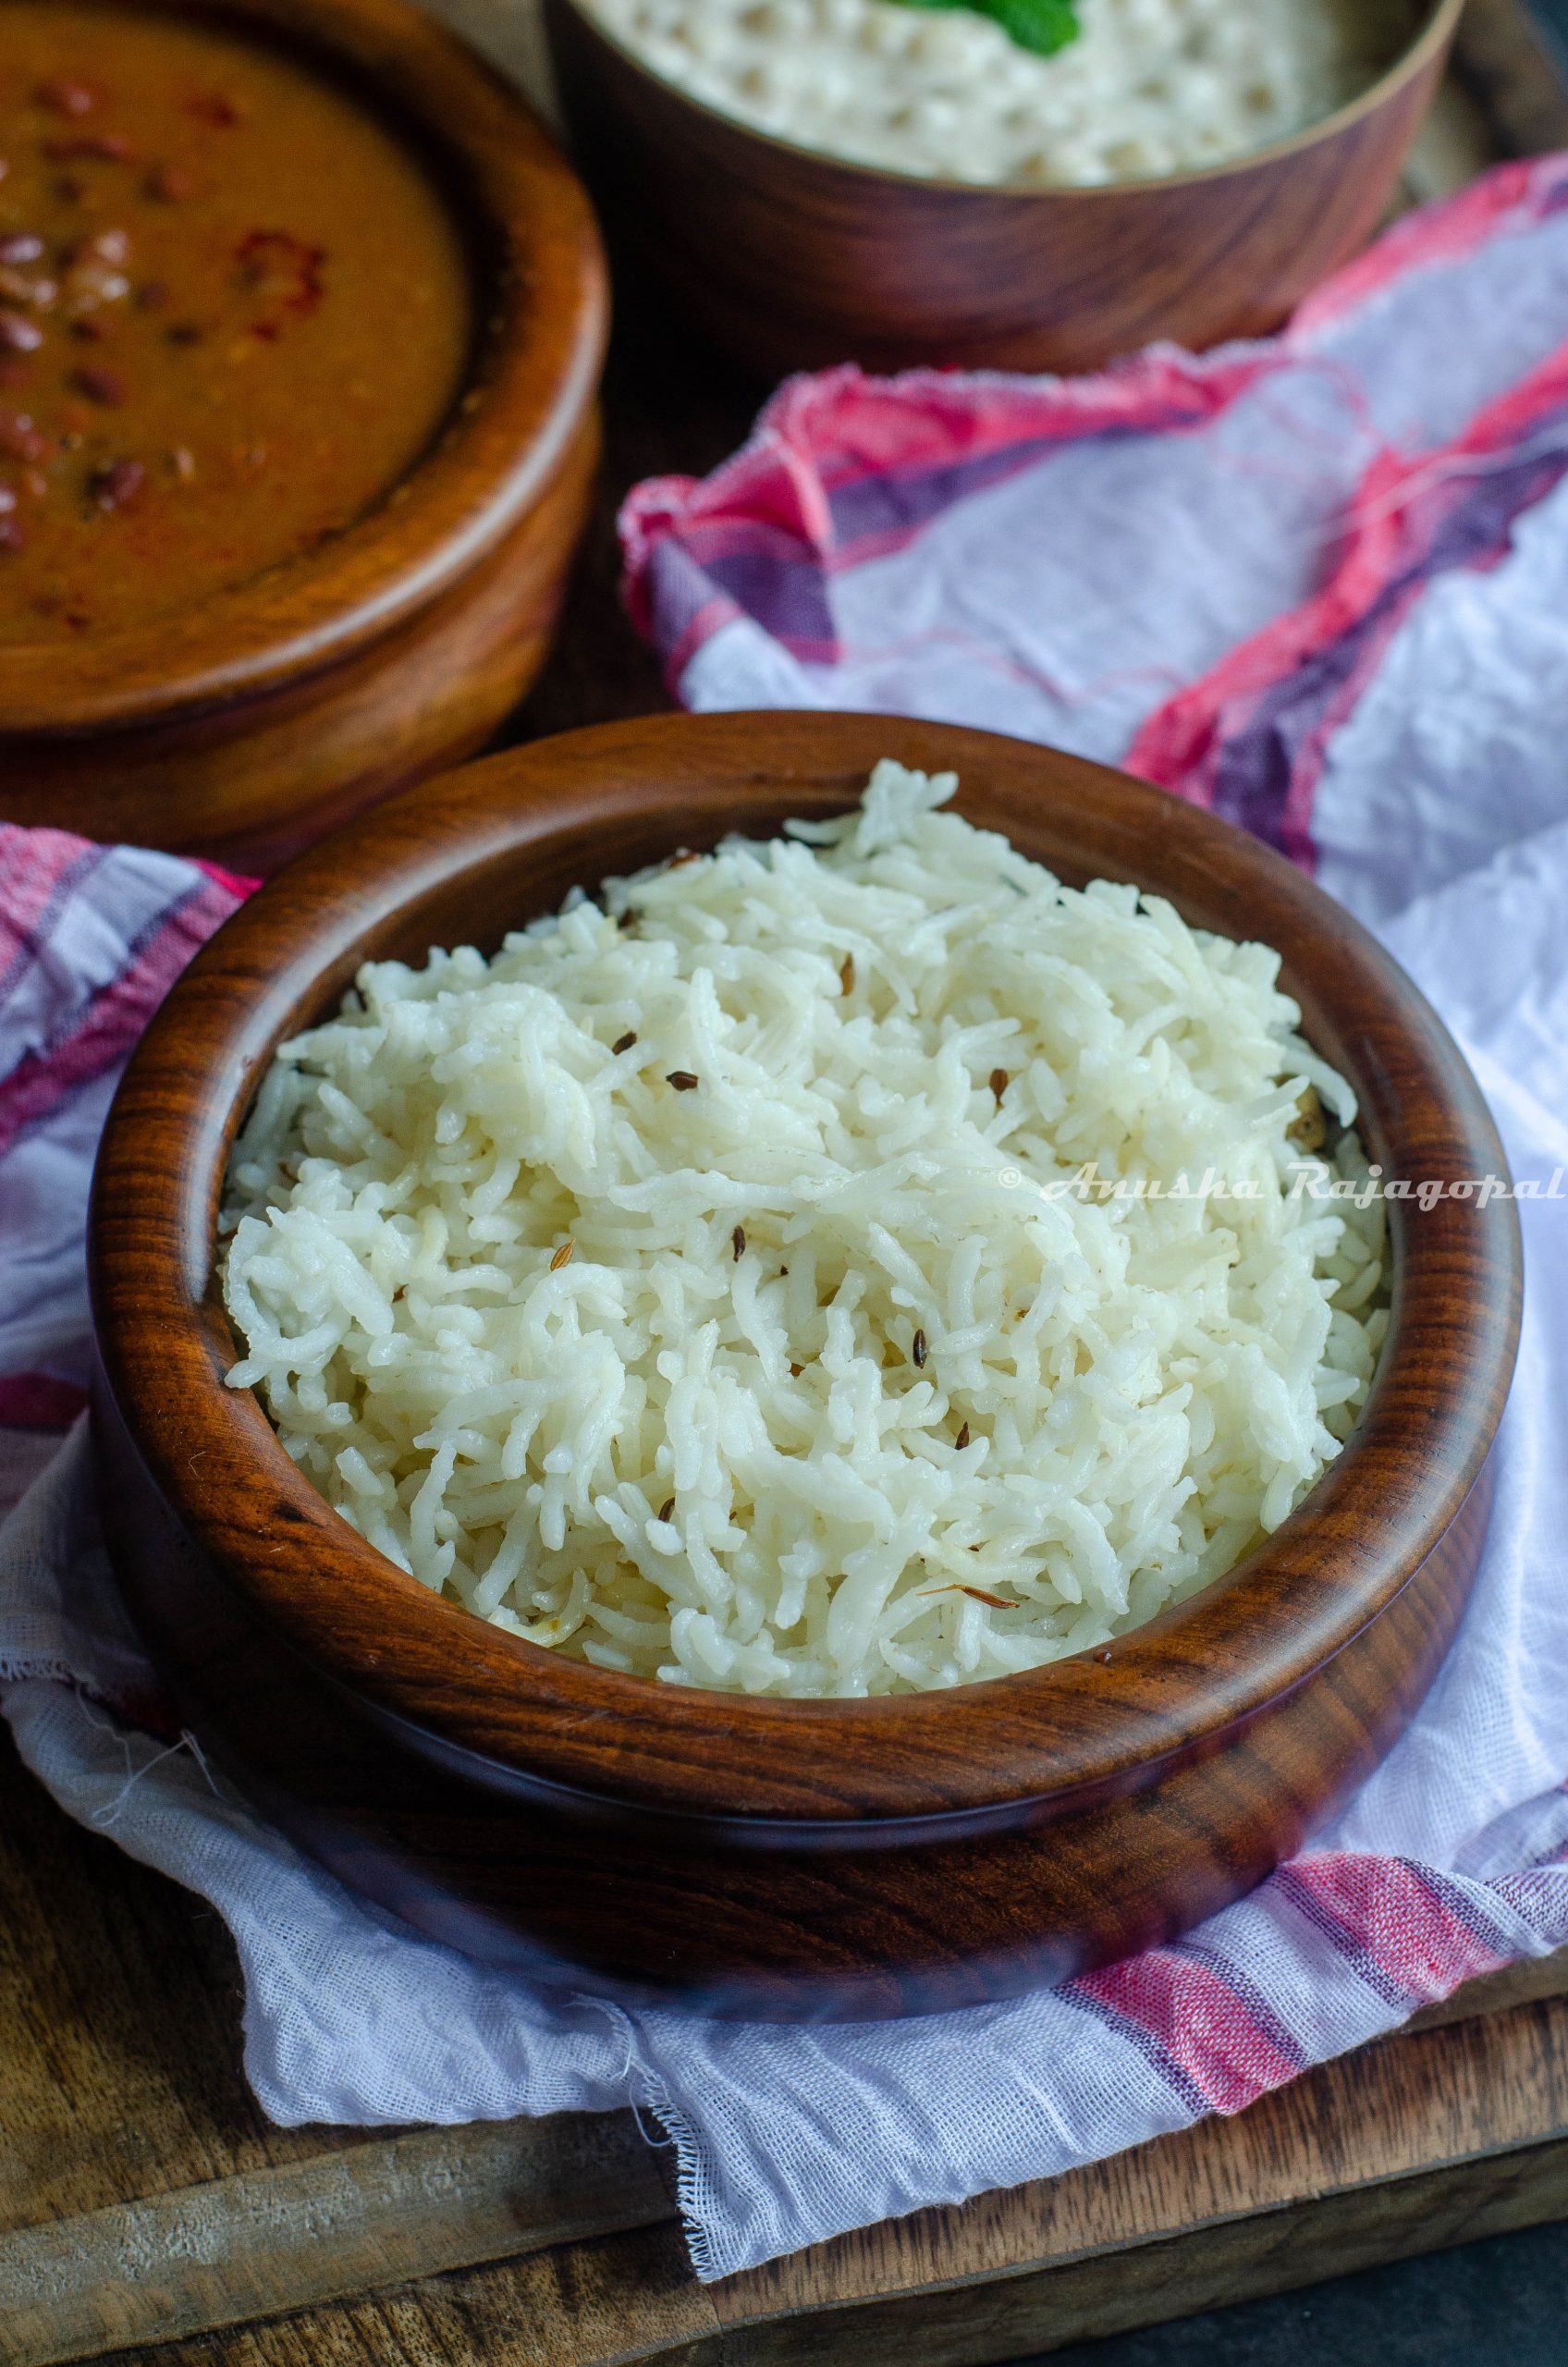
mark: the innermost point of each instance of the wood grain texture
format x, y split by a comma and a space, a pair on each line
1407, 2147
791, 260
770, 1856
603, 2304
381, 2213
366, 2215
119, 2018
627, 2299
243, 726
120, 2082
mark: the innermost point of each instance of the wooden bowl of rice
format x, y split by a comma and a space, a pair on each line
751, 1854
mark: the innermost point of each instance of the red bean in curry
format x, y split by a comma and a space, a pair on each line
234, 311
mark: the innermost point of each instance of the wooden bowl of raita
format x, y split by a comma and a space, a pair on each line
822, 182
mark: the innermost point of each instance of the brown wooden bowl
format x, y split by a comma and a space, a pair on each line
778, 1857
791, 260
243, 727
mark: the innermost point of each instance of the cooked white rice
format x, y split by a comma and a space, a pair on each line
752, 1355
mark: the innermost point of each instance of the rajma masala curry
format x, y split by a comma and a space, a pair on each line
234, 309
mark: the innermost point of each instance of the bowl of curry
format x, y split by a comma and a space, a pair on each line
302, 315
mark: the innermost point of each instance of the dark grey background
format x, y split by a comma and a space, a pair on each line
1555, 14
1502, 2303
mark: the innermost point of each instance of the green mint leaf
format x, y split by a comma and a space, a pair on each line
1041, 26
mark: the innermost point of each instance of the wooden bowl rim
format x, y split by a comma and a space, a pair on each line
1426, 42
531, 376
1084, 1727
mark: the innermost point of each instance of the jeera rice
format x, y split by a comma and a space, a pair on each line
845, 1265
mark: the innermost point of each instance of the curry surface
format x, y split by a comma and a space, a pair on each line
234, 309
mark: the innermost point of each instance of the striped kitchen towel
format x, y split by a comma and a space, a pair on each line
1319, 584
1304, 582
90, 940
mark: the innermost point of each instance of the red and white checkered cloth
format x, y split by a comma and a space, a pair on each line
1321, 585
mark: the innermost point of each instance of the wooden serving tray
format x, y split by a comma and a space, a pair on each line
145, 2201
